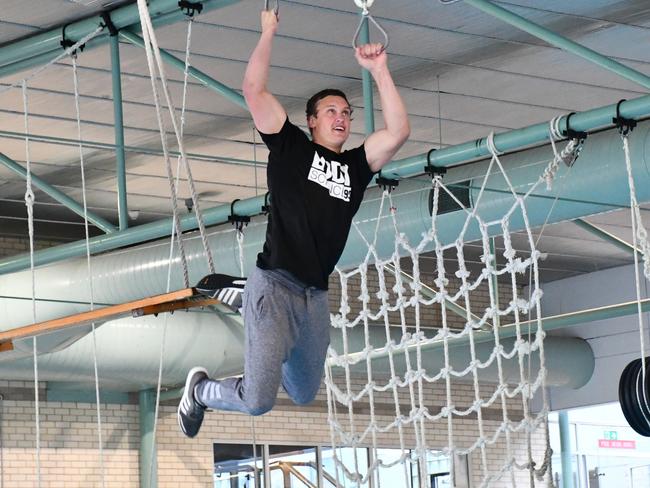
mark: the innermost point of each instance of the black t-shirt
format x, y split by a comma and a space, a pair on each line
315, 193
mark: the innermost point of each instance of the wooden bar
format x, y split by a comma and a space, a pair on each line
166, 302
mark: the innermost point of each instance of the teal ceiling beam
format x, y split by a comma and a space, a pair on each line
508, 141
560, 41
59, 196
118, 122
133, 149
161, 11
201, 77
604, 235
133, 235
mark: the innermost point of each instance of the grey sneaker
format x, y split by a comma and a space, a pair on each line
227, 289
190, 412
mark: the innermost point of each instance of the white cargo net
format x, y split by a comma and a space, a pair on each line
403, 387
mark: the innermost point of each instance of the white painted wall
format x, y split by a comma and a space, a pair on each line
615, 342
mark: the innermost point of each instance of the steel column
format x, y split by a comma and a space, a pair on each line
201, 77
606, 236
366, 83
147, 459
118, 121
565, 447
561, 42
59, 196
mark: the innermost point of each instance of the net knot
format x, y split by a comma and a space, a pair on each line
382, 295
441, 282
523, 347
462, 274
29, 197
520, 266
337, 321
477, 405
510, 253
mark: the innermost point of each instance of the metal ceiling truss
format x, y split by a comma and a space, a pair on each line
126, 18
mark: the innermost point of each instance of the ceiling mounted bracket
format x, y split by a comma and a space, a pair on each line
239, 221
107, 23
433, 170
190, 8
67, 43
386, 184
625, 126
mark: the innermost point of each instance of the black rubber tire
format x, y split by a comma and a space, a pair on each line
631, 396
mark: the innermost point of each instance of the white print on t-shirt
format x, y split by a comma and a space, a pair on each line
331, 175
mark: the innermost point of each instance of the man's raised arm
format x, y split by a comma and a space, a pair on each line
382, 144
268, 114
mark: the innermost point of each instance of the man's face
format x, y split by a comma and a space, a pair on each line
330, 126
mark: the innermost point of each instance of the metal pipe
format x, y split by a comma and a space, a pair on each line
134, 149
147, 459
59, 196
565, 447
200, 76
125, 16
535, 134
587, 121
561, 42
118, 120
366, 83
604, 235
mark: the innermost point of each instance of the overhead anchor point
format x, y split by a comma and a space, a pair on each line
266, 208
68, 43
108, 24
625, 126
386, 184
432, 170
239, 221
190, 8
578, 136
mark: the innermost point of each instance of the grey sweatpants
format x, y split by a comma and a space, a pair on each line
287, 335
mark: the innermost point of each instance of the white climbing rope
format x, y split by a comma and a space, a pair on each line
29, 202
89, 269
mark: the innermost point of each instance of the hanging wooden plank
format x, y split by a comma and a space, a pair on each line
167, 302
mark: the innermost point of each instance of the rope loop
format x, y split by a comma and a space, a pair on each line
492, 146
365, 14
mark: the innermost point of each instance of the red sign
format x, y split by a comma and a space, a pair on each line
609, 444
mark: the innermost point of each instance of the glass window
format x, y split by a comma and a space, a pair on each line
401, 474
355, 460
235, 466
293, 466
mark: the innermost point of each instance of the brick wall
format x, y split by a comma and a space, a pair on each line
10, 246
69, 451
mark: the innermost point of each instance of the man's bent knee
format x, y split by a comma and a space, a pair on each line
304, 397
259, 407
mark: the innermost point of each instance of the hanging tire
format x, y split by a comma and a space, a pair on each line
634, 396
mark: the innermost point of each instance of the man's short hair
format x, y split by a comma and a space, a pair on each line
313, 101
